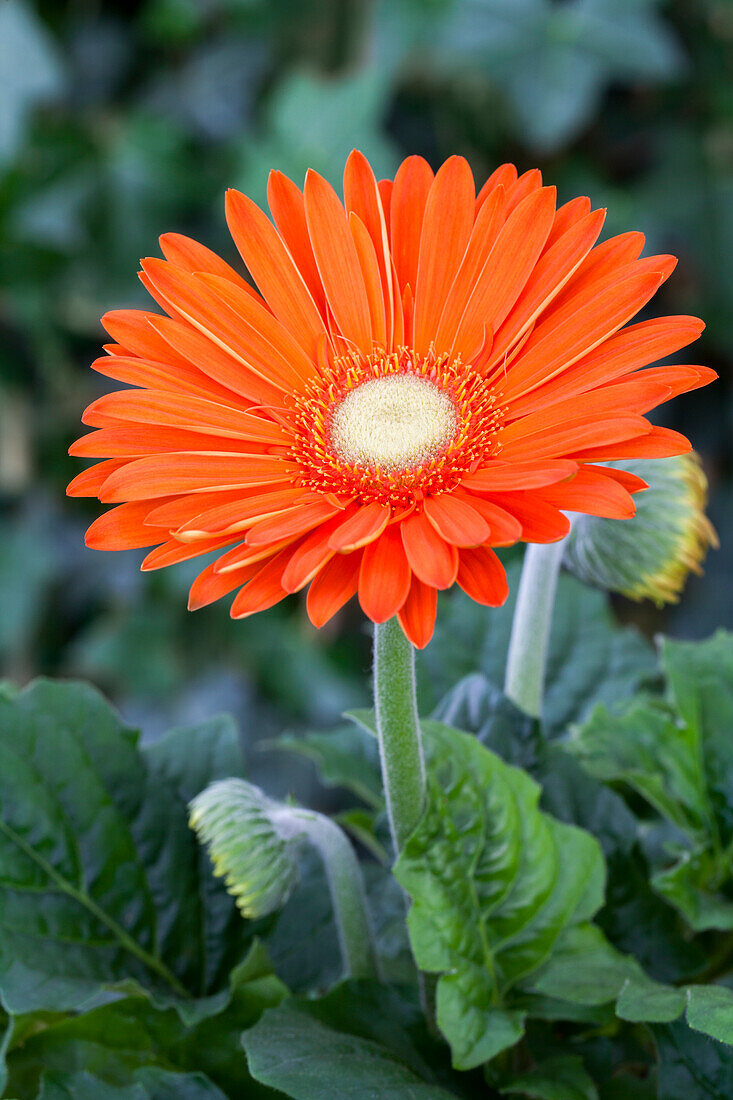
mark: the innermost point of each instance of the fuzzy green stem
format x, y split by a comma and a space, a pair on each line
398, 727
346, 885
527, 656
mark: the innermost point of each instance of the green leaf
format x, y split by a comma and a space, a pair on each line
562, 1078
677, 755
115, 1040
195, 756
102, 881
345, 757
584, 969
308, 1058
649, 751
685, 885
494, 882
591, 660
700, 685
643, 1000
691, 1066
710, 1010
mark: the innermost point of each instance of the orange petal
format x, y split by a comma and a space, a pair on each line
173, 378
295, 521
608, 257
288, 362
338, 262
173, 552
188, 472
541, 522
507, 269
503, 176
288, 211
483, 237
182, 510
309, 557
566, 217
504, 529
386, 188
583, 431
135, 440
446, 231
677, 378
384, 576
264, 590
123, 528
576, 330
526, 183
409, 196
205, 308
431, 558
498, 476
191, 256
133, 329
549, 276
186, 411
363, 198
417, 614
631, 348
658, 443
218, 364
361, 528
456, 520
372, 279
593, 493
629, 481
481, 576
272, 268
89, 482
231, 515
210, 585
332, 587
241, 557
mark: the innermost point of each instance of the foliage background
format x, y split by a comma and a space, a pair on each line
122, 120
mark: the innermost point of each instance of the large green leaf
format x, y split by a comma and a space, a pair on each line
101, 880
677, 754
116, 1040
494, 882
359, 1041
591, 660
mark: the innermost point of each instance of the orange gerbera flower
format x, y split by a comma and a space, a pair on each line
423, 374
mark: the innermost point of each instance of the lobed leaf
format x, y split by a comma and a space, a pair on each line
101, 882
494, 882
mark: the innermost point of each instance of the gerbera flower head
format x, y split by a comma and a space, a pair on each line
421, 375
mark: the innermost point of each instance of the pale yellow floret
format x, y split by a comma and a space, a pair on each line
393, 423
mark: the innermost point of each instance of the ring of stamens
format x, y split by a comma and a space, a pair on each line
393, 427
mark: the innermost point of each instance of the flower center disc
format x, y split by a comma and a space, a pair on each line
398, 422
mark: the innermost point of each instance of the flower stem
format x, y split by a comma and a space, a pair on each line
398, 727
346, 885
527, 656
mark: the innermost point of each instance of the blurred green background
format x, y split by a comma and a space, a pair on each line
122, 120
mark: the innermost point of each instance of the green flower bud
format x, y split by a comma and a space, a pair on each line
651, 555
248, 845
